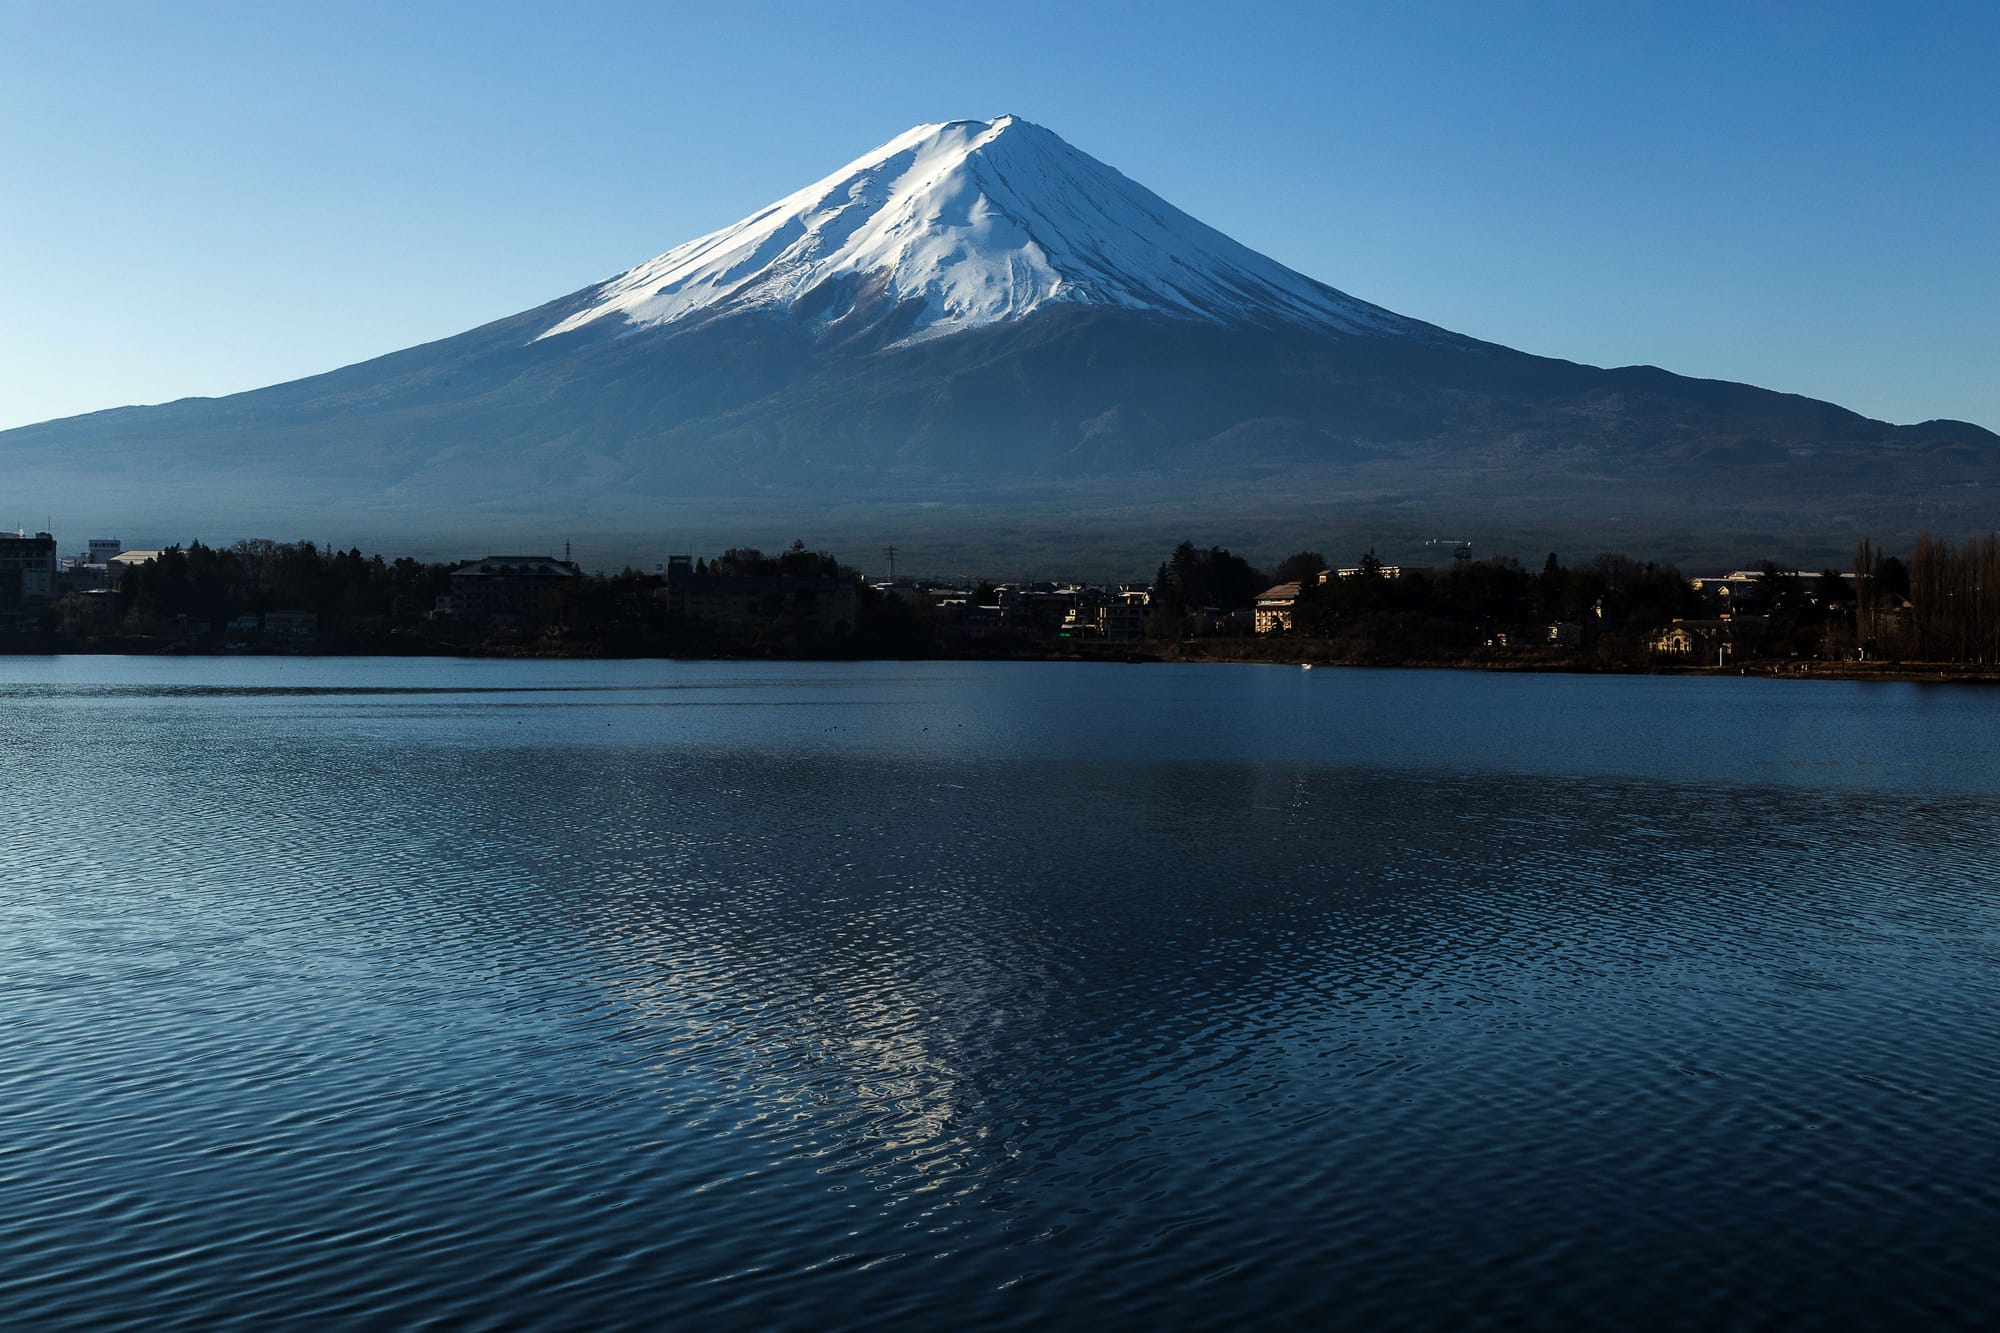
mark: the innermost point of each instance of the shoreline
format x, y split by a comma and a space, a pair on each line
1220, 651
1767, 668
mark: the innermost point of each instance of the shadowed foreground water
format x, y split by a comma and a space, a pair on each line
516, 994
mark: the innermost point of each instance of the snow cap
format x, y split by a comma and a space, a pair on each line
961, 224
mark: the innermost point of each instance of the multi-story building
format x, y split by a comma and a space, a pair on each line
1274, 609
27, 570
1125, 614
521, 589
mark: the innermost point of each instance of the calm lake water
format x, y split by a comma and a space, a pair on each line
516, 994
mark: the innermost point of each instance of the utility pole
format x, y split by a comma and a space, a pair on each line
892, 563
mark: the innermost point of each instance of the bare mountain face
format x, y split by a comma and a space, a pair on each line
991, 348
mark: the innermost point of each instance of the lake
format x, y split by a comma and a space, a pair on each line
799, 995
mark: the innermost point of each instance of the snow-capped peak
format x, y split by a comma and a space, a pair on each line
962, 224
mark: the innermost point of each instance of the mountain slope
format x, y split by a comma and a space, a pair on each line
979, 338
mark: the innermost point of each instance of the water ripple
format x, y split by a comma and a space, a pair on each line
329, 1013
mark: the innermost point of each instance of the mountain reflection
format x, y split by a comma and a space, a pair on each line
958, 979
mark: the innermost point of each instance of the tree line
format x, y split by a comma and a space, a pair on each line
1941, 604
1456, 610
213, 585
194, 594
1944, 607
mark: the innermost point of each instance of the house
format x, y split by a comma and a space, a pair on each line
1042, 607
1696, 640
291, 624
1274, 608
963, 618
1085, 617
1110, 613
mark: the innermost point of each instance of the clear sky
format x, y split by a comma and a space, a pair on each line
201, 198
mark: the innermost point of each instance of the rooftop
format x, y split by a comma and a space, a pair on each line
517, 566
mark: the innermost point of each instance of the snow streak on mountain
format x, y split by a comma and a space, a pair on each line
954, 226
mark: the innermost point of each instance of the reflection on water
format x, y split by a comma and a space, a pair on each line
833, 996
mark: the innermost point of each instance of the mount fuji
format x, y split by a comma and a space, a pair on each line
958, 226
988, 347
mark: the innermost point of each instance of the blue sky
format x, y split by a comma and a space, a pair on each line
202, 198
